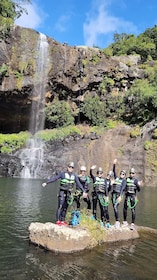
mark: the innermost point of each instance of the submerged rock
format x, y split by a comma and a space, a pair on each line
69, 239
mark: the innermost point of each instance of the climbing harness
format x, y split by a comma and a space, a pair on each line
115, 199
129, 202
103, 201
72, 196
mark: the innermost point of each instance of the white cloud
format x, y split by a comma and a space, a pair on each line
100, 23
61, 24
33, 19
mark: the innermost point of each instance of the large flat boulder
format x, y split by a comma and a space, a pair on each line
72, 239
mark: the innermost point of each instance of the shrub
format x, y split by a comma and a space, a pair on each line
59, 113
12, 142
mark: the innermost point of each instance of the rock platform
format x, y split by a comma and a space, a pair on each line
67, 239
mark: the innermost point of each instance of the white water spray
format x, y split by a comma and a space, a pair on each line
32, 155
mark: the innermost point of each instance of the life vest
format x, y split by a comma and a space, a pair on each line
130, 186
108, 184
100, 185
67, 184
117, 185
85, 181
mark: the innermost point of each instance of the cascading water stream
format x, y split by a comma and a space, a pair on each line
32, 155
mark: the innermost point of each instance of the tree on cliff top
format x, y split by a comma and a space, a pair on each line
9, 12
144, 45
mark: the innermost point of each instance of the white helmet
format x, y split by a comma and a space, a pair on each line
99, 170
83, 168
110, 173
132, 170
71, 164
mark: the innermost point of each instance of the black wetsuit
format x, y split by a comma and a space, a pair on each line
132, 186
117, 190
85, 181
67, 182
99, 194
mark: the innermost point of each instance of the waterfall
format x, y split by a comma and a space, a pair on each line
32, 155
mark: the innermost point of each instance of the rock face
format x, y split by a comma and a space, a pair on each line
10, 166
113, 143
73, 72
66, 239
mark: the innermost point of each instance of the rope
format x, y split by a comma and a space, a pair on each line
103, 201
72, 196
129, 203
115, 199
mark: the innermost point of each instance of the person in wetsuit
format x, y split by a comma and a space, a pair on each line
118, 187
67, 181
132, 186
100, 193
85, 182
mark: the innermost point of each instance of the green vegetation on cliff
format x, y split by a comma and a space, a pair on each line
11, 142
9, 11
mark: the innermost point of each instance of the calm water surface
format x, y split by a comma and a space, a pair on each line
24, 201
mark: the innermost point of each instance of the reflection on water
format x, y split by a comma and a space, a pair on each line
23, 201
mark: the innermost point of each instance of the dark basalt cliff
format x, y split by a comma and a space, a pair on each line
72, 73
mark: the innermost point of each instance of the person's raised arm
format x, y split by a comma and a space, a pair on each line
91, 172
114, 168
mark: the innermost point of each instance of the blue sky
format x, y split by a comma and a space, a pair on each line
89, 22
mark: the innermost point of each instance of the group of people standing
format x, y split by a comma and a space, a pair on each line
103, 186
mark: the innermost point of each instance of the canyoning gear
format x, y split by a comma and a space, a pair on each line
99, 185
124, 224
108, 184
103, 200
99, 170
101, 224
71, 164
75, 218
68, 182
118, 188
110, 173
58, 223
101, 188
73, 195
85, 181
132, 170
115, 204
83, 168
117, 225
85, 199
132, 226
123, 172
63, 223
129, 202
108, 225
119, 185
114, 198
130, 186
